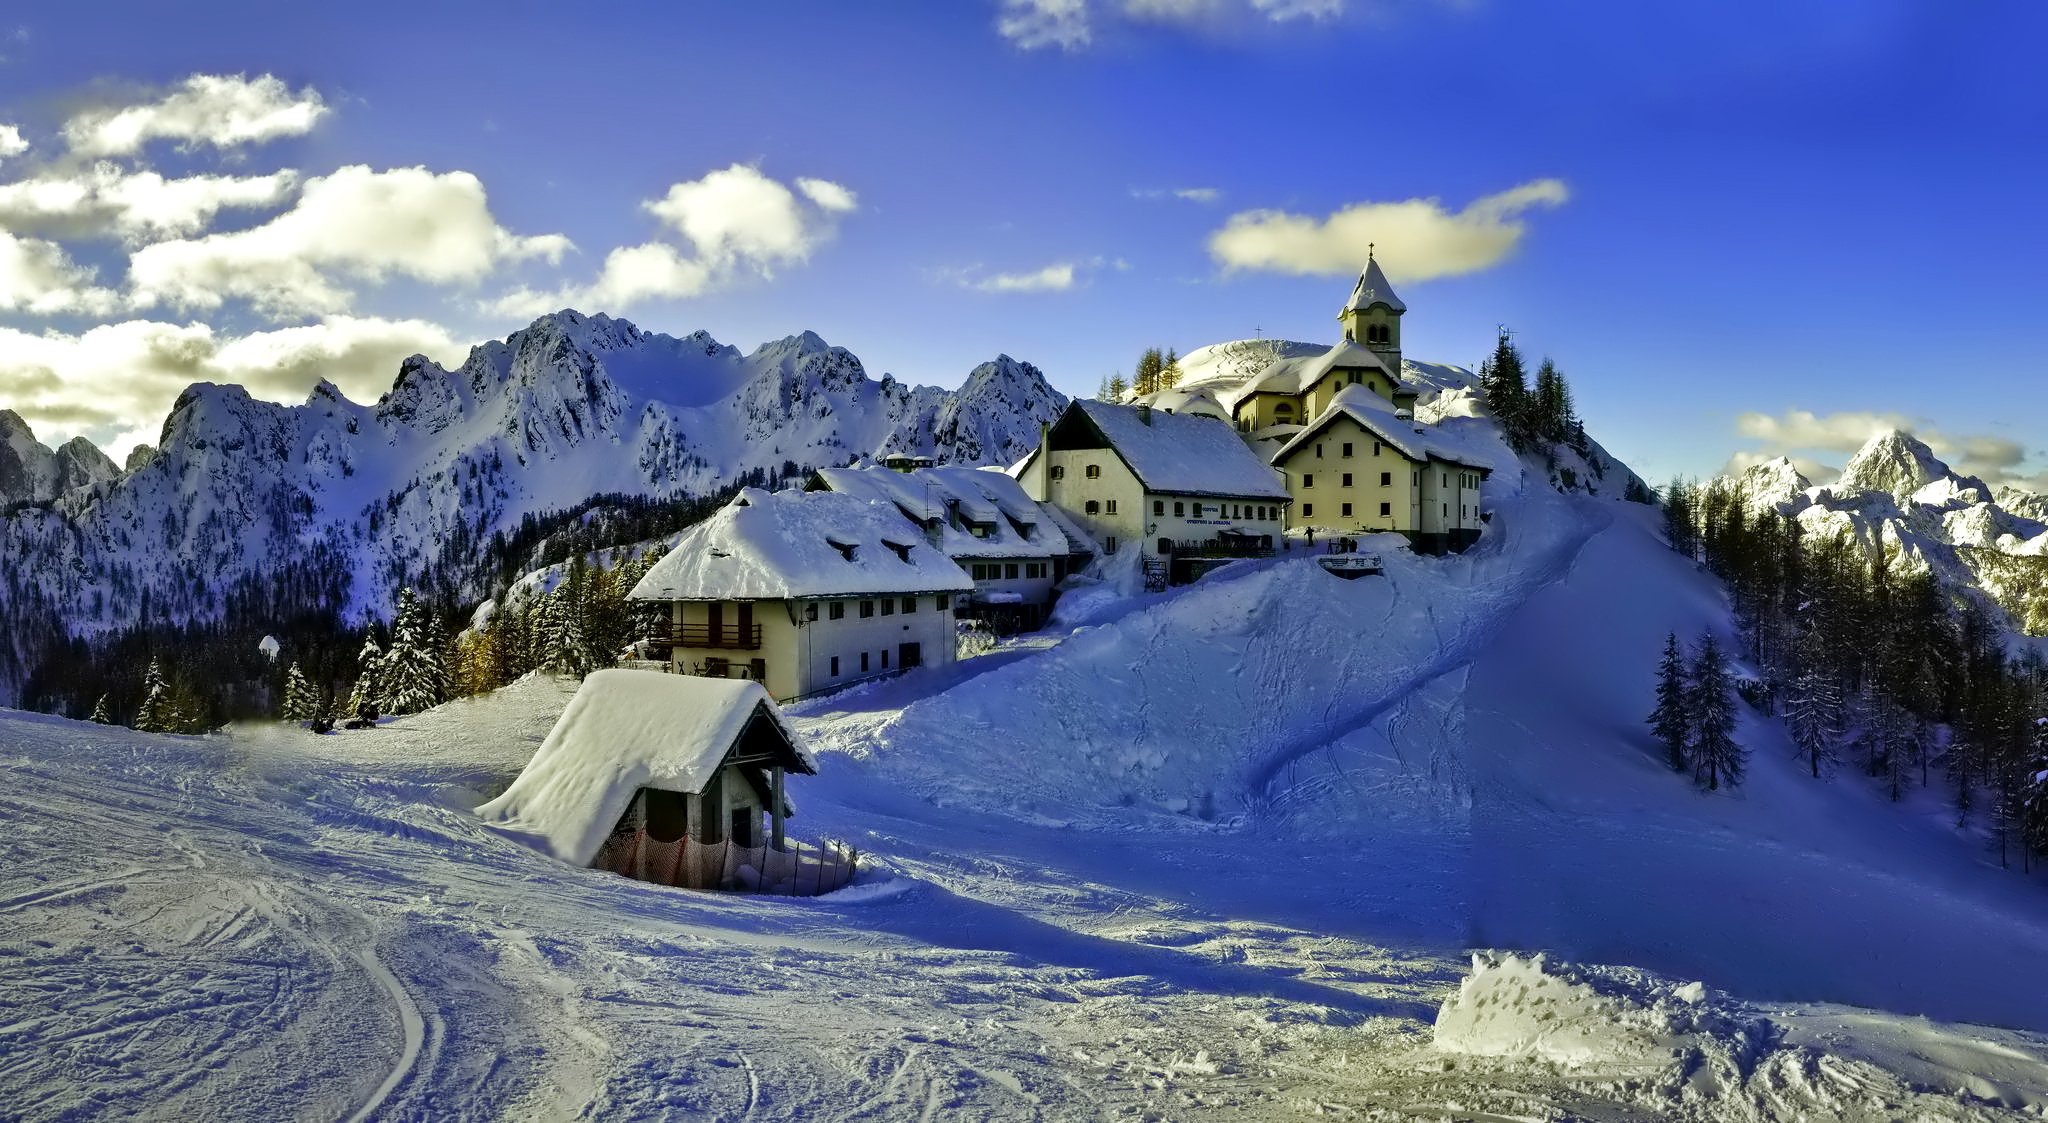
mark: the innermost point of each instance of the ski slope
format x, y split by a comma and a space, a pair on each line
1218, 853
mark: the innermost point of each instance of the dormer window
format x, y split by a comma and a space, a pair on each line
902, 550
845, 547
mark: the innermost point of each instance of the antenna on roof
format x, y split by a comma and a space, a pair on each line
1368, 250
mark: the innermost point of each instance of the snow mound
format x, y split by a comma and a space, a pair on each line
1578, 1016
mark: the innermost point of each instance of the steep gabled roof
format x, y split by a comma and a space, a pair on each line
951, 500
1376, 415
1297, 375
626, 730
1178, 453
1373, 288
765, 546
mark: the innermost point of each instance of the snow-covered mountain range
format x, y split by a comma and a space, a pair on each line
1898, 495
571, 407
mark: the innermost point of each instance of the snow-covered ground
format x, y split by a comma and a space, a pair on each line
1217, 853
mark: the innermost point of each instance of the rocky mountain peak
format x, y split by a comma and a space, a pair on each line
1894, 462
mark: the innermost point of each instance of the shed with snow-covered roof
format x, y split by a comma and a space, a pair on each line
804, 592
1362, 466
1162, 483
672, 756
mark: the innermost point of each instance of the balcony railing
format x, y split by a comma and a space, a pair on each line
730, 637
1226, 546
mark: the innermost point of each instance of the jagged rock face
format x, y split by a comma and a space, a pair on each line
30, 472
1895, 463
570, 407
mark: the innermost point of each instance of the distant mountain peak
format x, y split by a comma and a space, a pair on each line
1894, 462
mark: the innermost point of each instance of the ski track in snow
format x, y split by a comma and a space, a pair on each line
1040, 936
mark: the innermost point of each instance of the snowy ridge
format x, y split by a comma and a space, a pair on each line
1898, 496
570, 407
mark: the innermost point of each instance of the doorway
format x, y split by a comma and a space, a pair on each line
909, 655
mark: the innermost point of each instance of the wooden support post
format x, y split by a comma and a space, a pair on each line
775, 807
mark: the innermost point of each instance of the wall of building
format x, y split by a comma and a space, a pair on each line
1450, 498
1320, 493
1070, 489
1320, 395
992, 575
1184, 518
797, 651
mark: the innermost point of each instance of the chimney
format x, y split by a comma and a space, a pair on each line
1145, 412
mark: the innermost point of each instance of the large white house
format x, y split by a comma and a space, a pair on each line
1174, 486
803, 592
1014, 548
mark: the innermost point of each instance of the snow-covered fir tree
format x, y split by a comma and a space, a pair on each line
1813, 705
412, 668
301, 702
369, 689
100, 714
156, 714
1716, 759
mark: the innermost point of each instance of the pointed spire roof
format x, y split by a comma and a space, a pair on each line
1373, 288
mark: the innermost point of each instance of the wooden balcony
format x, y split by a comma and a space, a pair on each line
730, 637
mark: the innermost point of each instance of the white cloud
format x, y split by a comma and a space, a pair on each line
827, 194
1186, 194
1416, 239
1994, 459
738, 222
38, 277
1060, 276
115, 382
1070, 25
1034, 24
11, 143
352, 223
138, 206
221, 110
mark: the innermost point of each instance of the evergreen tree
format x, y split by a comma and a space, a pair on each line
1716, 758
1813, 704
369, 688
300, 702
156, 712
1669, 720
1505, 386
1552, 405
1169, 370
1118, 388
100, 714
412, 668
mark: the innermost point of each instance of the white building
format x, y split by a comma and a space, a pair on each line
1014, 548
1179, 488
804, 592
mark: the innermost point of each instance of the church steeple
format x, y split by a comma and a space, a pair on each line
1372, 317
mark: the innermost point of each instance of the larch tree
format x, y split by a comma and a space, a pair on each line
1669, 720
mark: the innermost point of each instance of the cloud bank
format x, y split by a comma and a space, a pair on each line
1415, 239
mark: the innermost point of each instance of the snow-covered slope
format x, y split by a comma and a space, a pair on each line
1222, 852
366, 497
1897, 495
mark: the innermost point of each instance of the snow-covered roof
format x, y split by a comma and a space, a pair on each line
623, 731
1297, 375
789, 544
1377, 416
1196, 399
1373, 288
976, 512
1181, 453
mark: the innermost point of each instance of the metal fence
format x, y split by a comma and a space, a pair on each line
798, 871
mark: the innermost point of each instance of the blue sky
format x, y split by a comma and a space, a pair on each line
1755, 228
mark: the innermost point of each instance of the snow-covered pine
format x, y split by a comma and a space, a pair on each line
411, 679
101, 715
368, 694
300, 701
156, 714
1670, 721
1813, 703
1716, 758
